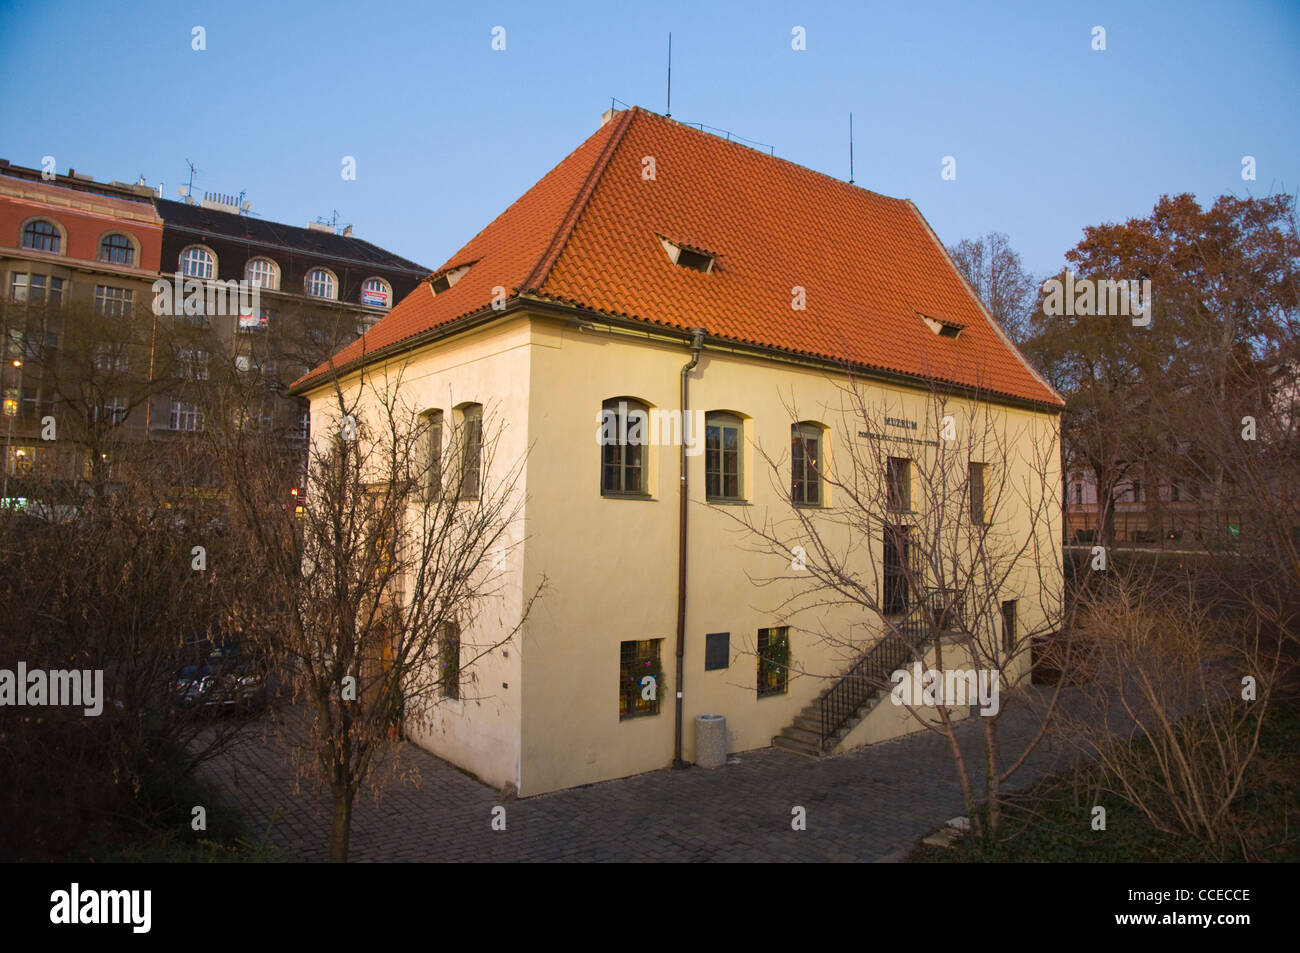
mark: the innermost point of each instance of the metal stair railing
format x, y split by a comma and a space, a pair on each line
939, 610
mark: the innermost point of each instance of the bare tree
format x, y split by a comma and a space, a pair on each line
995, 272
396, 548
930, 537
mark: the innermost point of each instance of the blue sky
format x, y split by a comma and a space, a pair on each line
1048, 134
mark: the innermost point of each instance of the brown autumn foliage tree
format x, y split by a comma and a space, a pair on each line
98, 573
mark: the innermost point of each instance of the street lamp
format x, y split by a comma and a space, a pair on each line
11, 411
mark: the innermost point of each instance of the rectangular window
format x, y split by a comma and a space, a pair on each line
722, 457
898, 480
897, 545
805, 458
35, 289
193, 365
717, 651
471, 449
185, 416
433, 455
977, 494
1078, 493
114, 410
773, 661
111, 358
624, 426
113, 301
449, 659
1009, 636
640, 678
1175, 492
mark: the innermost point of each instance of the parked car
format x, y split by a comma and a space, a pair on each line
220, 678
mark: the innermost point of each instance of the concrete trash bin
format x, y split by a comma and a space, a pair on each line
710, 741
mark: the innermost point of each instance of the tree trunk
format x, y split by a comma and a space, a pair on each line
341, 825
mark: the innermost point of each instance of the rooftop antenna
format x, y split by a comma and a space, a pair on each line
850, 148
668, 113
189, 189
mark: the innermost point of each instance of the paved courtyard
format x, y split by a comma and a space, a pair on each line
870, 805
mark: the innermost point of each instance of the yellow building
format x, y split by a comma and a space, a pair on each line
664, 276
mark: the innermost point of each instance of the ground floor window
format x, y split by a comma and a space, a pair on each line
640, 678
773, 660
449, 659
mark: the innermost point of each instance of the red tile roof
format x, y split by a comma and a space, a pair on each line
588, 234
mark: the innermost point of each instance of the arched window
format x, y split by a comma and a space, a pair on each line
262, 273
321, 283
805, 464
723, 435
624, 432
198, 262
376, 293
117, 249
40, 235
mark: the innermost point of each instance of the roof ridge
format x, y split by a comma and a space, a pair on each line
542, 270
772, 156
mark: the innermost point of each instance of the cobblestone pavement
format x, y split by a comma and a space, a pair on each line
872, 804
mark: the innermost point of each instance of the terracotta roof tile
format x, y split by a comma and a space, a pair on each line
587, 234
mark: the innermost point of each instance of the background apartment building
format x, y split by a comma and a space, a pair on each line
84, 347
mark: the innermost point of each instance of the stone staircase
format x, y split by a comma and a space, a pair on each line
828, 719
804, 735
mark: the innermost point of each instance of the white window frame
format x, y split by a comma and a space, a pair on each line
211, 262
309, 281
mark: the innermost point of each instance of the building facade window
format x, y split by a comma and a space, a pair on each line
623, 432
896, 566
115, 410
637, 662
432, 454
262, 273
471, 448
256, 319
898, 480
449, 659
773, 661
197, 262
117, 249
193, 365
36, 289
376, 293
805, 464
722, 457
113, 301
111, 359
185, 416
41, 235
977, 494
1078, 494
1009, 636
321, 284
